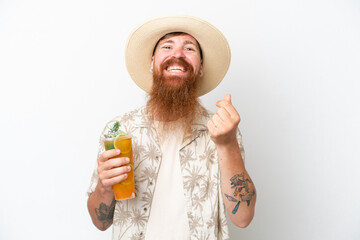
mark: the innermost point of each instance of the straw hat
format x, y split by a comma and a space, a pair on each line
141, 43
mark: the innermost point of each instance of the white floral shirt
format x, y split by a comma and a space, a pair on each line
200, 172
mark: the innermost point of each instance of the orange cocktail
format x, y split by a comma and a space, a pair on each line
126, 188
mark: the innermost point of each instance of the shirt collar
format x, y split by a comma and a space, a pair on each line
198, 127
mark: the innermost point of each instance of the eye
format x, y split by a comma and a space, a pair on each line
166, 47
189, 49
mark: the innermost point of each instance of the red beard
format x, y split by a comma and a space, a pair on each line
174, 97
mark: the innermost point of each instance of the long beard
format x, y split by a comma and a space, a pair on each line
174, 98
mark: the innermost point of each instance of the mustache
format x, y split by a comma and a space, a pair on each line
179, 61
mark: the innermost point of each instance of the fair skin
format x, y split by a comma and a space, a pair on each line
111, 171
222, 128
181, 46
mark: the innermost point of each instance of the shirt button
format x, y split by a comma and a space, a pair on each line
141, 233
151, 183
145, 209
157, 157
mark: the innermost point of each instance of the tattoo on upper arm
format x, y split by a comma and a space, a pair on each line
105, 213
243, 189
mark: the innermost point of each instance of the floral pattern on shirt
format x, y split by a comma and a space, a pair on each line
200, 171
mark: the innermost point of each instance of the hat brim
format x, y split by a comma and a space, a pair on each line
141, 43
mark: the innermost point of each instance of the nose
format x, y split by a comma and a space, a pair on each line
178, 53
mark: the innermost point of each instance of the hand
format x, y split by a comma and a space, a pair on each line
223, 125
111, 170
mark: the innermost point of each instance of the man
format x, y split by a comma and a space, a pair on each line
188, 163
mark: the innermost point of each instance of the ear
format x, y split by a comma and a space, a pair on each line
152, 62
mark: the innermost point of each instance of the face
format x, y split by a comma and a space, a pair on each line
177, 58
176, 72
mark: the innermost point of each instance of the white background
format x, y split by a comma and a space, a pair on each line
294, 79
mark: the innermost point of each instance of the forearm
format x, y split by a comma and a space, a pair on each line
101, 206
238, 190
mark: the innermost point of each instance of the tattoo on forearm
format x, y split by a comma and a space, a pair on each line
105, 213
243, 188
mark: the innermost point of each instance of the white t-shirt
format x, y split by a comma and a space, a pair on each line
168, 216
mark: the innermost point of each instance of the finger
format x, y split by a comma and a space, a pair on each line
111, 181
115, 172
212, 128
115, 162
231, 110
225, 101
222, 103
210, 125
227, 98
218, 122
108, 154
223, 114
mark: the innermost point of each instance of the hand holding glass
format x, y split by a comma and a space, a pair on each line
125, 189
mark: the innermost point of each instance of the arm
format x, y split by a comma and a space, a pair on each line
101, 203
238, 190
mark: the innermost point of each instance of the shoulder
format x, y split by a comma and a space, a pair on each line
123, 122
134, 115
